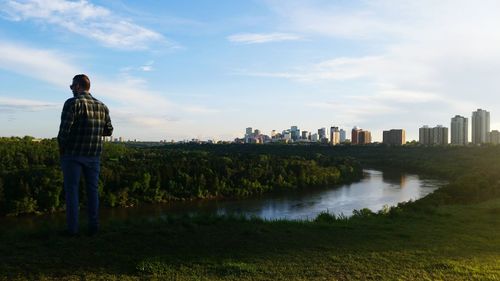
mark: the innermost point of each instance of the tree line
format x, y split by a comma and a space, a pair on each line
31, 179
473, 172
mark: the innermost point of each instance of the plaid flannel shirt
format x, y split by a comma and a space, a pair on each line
84, 122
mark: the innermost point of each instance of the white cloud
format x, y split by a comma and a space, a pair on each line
46, 65
136, 107
340, 69
147, 67
8, 104
330, 18
430, 59
85, 19
256, 38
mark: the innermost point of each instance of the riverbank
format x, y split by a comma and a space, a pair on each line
31, 179
454, 242
377, 188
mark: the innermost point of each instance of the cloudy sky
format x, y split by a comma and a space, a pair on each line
209, 69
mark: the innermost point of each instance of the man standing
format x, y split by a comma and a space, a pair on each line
84, 122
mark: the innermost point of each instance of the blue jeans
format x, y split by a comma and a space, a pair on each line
72, 166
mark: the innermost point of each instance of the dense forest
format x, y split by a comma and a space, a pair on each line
31, 179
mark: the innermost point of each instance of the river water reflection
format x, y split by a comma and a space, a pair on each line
376, 189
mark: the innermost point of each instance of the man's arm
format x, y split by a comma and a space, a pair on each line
108, 127
67, 119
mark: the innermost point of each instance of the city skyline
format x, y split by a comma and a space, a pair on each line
457, 133
183, 70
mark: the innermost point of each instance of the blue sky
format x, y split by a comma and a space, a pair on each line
209, 69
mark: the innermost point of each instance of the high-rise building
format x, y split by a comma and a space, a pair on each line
322, 134
334, 135
354, 135
287, 135
394, 137
359, 136
256, 132
314, 137
480, 126
304, 135
440, 135
424, 135
364, 137
248, 134
459, 130
495, 137
342, 135
295, 133
437, 135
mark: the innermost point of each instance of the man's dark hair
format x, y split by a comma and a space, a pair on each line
83, 81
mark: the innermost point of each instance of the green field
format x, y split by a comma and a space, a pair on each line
452, 234
446, 243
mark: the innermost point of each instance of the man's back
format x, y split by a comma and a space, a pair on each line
84, 121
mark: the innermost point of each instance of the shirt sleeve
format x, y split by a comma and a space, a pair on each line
108, 127
67, 119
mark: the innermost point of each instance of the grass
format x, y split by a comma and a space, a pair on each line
453, 242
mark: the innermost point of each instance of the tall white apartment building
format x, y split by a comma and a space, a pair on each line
480, 126
459, 130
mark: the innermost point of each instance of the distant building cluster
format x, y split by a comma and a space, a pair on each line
480, 131
333, 136
438, 135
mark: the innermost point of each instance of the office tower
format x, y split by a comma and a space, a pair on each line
342, 135
334, 135
364, 137
304, 135
314, 137
256, 132
248, 134
495, 137
322, 134
480, 126
459, 130
295, 133
287, 135
394, 137
439, 135
354, 135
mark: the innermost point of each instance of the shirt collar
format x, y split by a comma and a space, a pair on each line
83, 93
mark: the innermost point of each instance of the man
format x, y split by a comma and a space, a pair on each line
84, 122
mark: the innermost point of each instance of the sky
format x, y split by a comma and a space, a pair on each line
177, 70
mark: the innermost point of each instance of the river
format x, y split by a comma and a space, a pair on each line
376, 189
